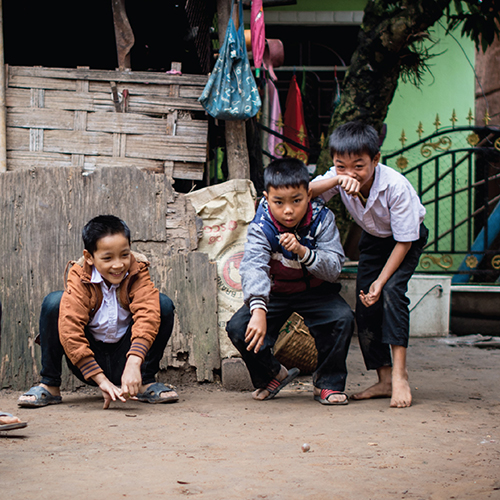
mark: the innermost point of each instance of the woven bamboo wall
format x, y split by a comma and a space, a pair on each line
92, 118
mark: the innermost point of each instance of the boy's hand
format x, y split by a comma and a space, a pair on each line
373, 294
289, 242
348, 184
256, 330
109, 391
131, 377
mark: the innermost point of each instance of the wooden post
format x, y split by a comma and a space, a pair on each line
3, 128
123, 34
238, 164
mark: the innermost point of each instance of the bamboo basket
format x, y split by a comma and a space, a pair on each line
295, 346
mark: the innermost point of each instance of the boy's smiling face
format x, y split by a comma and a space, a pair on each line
288, 204
360, 167
112, 258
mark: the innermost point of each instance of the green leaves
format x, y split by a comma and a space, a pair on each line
480, 20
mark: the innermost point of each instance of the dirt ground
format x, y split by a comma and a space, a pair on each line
216, 444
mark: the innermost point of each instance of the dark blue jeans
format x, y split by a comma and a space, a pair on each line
387, 322
110, 357
330, 321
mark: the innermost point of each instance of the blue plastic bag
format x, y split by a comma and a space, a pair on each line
231, 92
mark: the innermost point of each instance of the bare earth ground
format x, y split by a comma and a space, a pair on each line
215, 444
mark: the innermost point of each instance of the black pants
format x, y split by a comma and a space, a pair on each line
387, 322
111, 357
330, 321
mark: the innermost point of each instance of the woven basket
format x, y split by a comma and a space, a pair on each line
295, 346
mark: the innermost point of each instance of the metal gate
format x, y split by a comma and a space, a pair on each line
456, 172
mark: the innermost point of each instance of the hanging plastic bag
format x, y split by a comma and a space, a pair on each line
231, 92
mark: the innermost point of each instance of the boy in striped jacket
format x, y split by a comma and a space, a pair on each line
291, 261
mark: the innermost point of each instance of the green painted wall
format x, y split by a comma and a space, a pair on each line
449, 87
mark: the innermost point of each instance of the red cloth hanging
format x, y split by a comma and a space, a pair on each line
294, 122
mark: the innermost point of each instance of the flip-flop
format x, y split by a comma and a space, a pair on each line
276, 385
42, 398
10, 427
322, 397
153, 394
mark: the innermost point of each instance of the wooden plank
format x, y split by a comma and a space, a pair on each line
57, 203
107, 161
106, 75
40, 83
17, 97
192, 127
18, 160
73, 101
193, 277
54, 99
35, 159
168, 148
126, 123
190, 92
78, 142
18, 139
189, 171
40, 118
159, 90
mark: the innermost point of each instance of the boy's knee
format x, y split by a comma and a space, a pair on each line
393, 294
346, 320
50, 304
236, 329
166, 305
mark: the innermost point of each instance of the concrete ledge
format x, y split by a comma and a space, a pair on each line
235, 376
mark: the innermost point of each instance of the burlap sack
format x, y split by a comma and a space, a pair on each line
226, 210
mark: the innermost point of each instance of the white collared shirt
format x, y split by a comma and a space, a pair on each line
393, 207
111, 320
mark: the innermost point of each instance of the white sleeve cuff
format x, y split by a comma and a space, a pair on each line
257, 303
309, 257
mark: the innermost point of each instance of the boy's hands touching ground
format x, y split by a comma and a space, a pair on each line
373, 295
131, 376
109, 390
256, 330
290, 242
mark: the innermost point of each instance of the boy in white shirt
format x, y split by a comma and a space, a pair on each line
385, 205
111, 323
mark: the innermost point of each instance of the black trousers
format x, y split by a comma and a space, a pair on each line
387, 322
111, 357
329, 319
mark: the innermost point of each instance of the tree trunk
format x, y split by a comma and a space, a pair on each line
383, 43
238, 164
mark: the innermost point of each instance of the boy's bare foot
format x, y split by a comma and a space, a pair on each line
381, 389
261, 394
401, 392
7, 418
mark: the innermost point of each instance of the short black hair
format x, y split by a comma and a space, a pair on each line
354, 138
286, 172
100, 227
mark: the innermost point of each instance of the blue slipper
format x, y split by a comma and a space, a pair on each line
10, 427
42, 398
153, 394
